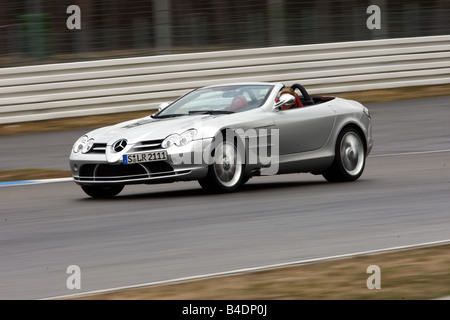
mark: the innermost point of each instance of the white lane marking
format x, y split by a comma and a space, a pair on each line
252, 269
32, 182
408, 153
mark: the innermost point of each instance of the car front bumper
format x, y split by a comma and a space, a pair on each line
183, 164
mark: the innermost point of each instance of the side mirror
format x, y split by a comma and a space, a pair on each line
163, 105
285, 100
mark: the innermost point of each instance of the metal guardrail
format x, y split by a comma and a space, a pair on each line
121, 85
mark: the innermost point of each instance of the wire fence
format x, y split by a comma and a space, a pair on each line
45, 31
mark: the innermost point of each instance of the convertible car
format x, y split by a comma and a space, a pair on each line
223, 135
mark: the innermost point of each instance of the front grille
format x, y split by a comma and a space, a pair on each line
140, 171
100, 148
148, 145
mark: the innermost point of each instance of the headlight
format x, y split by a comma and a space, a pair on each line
83, 145
179, 139
79, 145
88, 146
170, 141
186, 137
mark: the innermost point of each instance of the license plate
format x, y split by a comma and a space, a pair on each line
144, 157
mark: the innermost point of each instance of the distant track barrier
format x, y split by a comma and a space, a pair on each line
75, 89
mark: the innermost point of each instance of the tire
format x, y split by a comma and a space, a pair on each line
350, 157
226, 173
102, 192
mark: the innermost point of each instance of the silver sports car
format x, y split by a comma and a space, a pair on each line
223, 135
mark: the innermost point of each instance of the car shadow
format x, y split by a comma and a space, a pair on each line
193, 192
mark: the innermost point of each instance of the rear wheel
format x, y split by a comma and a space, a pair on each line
226, 173
102, 191
350, 157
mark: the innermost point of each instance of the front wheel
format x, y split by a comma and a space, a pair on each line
226, 174
350, 157
102, 192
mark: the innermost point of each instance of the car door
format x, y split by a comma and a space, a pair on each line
304, 129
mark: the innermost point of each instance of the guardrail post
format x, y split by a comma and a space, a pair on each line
277, 36
163, 26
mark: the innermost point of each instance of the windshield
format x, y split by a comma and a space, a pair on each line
218, 100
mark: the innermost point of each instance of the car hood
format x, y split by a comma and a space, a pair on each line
149, 128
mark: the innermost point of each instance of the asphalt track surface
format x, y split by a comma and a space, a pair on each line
162, 232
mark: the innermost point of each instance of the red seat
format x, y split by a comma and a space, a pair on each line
238, 103
298, 103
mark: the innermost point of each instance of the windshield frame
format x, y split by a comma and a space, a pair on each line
228, 91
